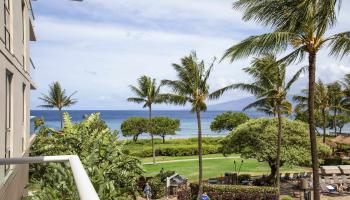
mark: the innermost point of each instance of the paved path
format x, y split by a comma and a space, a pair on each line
193, 159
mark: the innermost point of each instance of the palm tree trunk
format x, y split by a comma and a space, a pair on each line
200, 162
279, 143
324, 125
313, 140
152, 138
61, 116
163, 136
335, 121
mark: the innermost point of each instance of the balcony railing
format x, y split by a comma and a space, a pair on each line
85, 188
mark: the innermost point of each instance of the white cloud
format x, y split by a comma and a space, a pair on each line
100, 47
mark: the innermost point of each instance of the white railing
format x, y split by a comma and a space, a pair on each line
85, 188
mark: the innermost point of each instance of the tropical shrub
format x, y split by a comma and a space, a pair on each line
324, 151
236, 192
177, 150
173, 147
113, 173
257, 139
227, 121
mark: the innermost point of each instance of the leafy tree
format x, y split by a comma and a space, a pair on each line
227, 121
192, 87
134, 126
147, 93
164, 126
57, 98
270, 88
113, 173
257, 139
302, 26
322, 105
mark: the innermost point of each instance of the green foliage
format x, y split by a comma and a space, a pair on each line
324, 151
113, 173
163, 126
57, 98
134, 126
158, 187
173, 147
236, 192
287, 198
177, 150
38, 122
227, 121
257, 139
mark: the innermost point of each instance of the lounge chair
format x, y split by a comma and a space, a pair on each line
327, 180
336, 179
344, 179
327, 188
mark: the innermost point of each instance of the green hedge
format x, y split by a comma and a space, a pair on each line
176, 150
236, 192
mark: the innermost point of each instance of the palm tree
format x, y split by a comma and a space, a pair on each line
57, 98
302, 25
148, 93
337, 101
270, 88
322, 103
192, 87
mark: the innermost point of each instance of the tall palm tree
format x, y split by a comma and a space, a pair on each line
57, 98
147, 93
302, 25
270, 88
192, 87
337, 101
322, 103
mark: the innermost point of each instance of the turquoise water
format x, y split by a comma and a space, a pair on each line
114, 118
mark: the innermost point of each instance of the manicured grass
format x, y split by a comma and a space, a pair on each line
213, 167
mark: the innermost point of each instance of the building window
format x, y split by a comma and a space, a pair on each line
7, 24
8, 117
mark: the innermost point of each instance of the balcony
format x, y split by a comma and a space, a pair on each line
84, 186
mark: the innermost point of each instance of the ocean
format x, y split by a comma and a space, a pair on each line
114, 118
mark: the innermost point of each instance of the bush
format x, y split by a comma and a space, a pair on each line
287, 198
333, 161
236, 192
176, 150
157, 187
324, 151
113, 173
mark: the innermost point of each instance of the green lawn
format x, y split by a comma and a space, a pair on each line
211, 168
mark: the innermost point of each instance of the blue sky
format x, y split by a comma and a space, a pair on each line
98, 48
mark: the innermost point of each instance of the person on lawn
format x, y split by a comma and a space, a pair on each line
205, 196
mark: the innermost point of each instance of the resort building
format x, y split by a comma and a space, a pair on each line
16, 32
